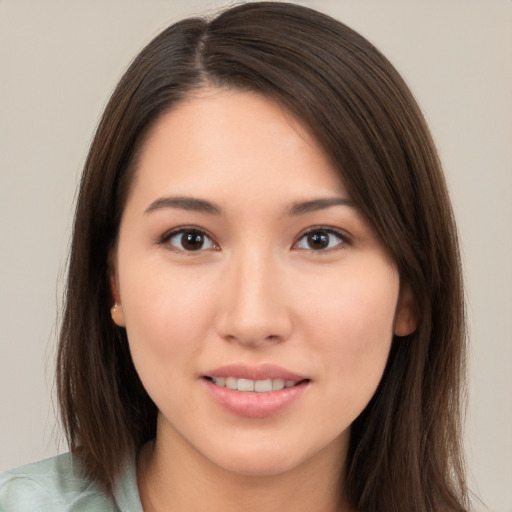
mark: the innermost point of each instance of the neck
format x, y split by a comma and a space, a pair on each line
178, 478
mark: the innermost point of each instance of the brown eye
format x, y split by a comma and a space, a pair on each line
320, 240
190, 240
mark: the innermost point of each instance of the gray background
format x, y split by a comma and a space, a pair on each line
59, 61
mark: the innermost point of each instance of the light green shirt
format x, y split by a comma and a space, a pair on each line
58, 484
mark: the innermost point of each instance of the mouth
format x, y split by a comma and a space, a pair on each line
258, 391
256, 386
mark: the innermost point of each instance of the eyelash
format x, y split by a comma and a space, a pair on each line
167, 237
342, 237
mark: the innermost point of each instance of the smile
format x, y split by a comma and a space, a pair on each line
248, 385
255, 391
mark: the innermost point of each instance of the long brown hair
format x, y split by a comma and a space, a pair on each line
405, 448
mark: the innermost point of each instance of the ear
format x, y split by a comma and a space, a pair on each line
116, 312
406, 319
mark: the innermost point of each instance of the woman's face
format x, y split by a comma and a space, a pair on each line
242, 263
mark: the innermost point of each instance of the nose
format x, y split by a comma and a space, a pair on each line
253, 308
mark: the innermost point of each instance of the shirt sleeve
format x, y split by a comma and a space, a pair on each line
22, 494
53, 485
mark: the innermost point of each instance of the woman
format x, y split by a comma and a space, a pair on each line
264, 306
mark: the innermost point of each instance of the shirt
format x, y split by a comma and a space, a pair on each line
59, 484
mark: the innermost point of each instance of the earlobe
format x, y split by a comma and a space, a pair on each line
406, 319
116, 312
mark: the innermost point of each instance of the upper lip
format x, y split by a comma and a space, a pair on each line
256, 372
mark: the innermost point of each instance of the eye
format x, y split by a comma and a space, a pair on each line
189, 240
321, 239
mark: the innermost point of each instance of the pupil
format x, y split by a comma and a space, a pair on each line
318, 240
192, 241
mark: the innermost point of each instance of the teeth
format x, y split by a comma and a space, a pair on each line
231, 383
260, 386
263, 385
245, 385
278, 384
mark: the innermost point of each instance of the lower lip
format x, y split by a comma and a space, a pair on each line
252, 404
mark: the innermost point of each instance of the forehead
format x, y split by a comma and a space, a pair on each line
218, 137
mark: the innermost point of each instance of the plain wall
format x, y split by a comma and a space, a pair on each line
59, 61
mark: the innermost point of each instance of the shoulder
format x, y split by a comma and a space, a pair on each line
57, 484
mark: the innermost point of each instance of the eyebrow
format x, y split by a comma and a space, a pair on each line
314, 205
204, 206
184, 203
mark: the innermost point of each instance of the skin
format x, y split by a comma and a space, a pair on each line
255, 292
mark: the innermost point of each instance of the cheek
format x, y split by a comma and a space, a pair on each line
168, 315
352, 325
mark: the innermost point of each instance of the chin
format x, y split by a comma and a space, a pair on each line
258, 466
273, 458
